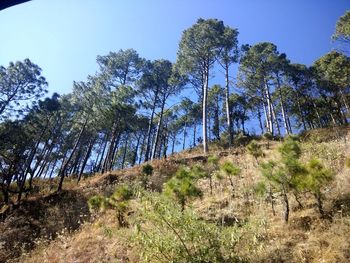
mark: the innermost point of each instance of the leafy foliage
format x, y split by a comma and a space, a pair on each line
255, 149
147, 171
182, 186
165, 233
230, 170
117, 201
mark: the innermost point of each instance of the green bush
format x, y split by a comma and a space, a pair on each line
117, 201
255, 150
318, 176
230, 170
122, 193
97, 203
147, 169
146, 172
212, 167
165, 233
268, 136
182, 186
286, 174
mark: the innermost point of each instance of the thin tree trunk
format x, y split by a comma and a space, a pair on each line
260, 121
267, 125
276, 120
344, 100
125, 149
227, 101
99, 167
205, 95
150, 123
136, 149
115, 149
173, 145
142, 148
86, 158
194, 135
283, 111
301, 111
269, 107
165, 146
158, 129
319, 204
184, 137
286, 207
62, 173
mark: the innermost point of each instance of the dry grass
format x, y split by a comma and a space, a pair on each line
264, 237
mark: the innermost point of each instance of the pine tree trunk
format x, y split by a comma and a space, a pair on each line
114, 151
99, 166
173, 145
344, 100
165, 146
125, 149
283, 110
64, 167
158, 130
269, 108
266, 118
136, 150
260, 120
216, 126
205, 113
150, 123
227, 102
317, 113
275, 119
194, 135
301, 112
142, 148
86, 158
184, 137
319, 204
286, 207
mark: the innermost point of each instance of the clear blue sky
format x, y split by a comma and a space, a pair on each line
64, 36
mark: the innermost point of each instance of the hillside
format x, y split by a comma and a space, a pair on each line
60, 227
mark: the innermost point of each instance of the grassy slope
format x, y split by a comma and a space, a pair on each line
307, 238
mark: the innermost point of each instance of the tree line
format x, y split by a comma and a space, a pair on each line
134, 110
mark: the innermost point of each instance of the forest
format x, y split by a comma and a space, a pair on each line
134, 111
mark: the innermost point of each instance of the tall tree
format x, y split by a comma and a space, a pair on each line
227, 57
199, 48
332, 72
21, 83
342, 30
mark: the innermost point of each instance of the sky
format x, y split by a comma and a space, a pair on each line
64, 37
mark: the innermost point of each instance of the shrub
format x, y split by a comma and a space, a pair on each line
268, 136
317, 178
165, 233
147, 171
230, 170
286, 175
213, 165
255, 150
182, 187
117, 201
97, 203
